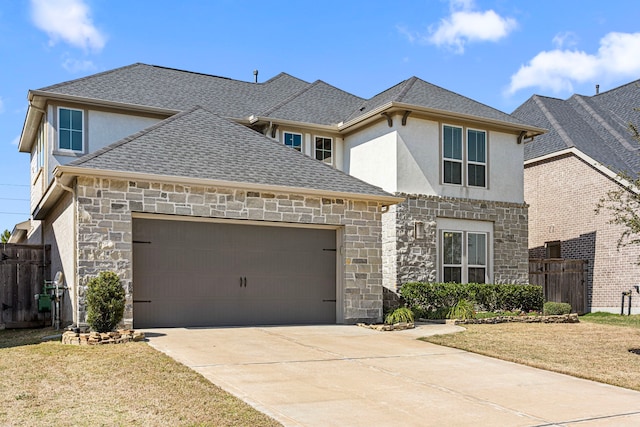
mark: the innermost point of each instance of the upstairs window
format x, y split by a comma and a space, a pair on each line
293, 140
452, 154
70, 129
464, 163
324, 149
477, 158
40, 146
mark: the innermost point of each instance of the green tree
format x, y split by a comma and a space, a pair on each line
4, 237
105, 302
623, 204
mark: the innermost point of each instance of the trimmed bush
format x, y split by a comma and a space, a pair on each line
430, 299
402, 314
556, 308
105, 302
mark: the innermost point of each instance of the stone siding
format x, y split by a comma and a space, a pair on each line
104, 212
406, 259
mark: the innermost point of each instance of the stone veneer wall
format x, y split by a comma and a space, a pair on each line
406, 259
104, 212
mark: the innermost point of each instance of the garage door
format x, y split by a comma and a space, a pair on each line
209, 274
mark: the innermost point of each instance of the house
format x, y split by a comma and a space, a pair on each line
567, 171
222, 202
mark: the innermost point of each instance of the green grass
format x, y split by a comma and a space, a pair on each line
612, 319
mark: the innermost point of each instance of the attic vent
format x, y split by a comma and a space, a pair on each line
255, 76
597, 89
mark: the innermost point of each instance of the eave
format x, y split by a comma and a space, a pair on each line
66, 174
38, 101
399, 107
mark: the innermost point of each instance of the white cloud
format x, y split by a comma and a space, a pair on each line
1, 106
465, 25
566, 39
15, 141
78, 65
67, 20
558, 70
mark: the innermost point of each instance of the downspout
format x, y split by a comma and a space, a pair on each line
75, 249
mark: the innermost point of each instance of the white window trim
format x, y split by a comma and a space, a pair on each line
469, 162
333, 149
285, 132
68, 150
464, 162
465, 227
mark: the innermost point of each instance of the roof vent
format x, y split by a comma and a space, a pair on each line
255, 75
597, 89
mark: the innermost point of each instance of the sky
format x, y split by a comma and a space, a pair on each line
497, 52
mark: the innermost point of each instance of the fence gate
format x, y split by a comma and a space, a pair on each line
563, 280
23, 270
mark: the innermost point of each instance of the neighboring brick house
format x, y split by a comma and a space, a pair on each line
221, 202
567, 171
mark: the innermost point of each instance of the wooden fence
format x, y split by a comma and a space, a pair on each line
563, 280
23, 270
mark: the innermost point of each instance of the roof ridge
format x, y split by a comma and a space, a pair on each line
57, 85
556, 125
281, 75
290, 98
136, 135
411, 81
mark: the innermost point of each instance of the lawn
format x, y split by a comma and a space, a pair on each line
596, 351
47, 383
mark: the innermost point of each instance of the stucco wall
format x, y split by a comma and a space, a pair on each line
407, 159
105, 217
562, 194
58, 231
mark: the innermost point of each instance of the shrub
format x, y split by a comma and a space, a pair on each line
463, 310
429, 298
556, 308
105, 302
402, 314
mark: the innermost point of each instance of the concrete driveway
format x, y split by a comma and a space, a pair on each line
350, 376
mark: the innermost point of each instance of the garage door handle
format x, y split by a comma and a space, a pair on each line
243, 282
328, 300
141, 300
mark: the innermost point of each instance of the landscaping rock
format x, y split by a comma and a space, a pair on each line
95, 338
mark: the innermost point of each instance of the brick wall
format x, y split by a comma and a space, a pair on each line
406, 259
562, 194
105, 206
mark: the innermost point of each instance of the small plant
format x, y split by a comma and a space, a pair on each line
463, 310
402, 314
105, 302
556, 308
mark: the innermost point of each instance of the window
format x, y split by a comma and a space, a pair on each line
324, 149
70, 135
554, 249
464, 250
476, 162
293, 140
40, 146
454, 157
452, 153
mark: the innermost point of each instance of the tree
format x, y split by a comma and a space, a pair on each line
4, 237
623, 204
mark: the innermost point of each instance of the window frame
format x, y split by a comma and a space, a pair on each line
284, 140
464, 162
475, 162
331, 151
60, 129
466, 228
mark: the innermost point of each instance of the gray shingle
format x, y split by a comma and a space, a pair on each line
200, 144
596, 125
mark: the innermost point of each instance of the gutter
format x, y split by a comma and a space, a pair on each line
59, 171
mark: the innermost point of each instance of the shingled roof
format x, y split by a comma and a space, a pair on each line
417, 92
282, 97
234, 153
596, 125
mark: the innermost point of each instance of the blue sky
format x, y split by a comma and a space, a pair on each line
497, 52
